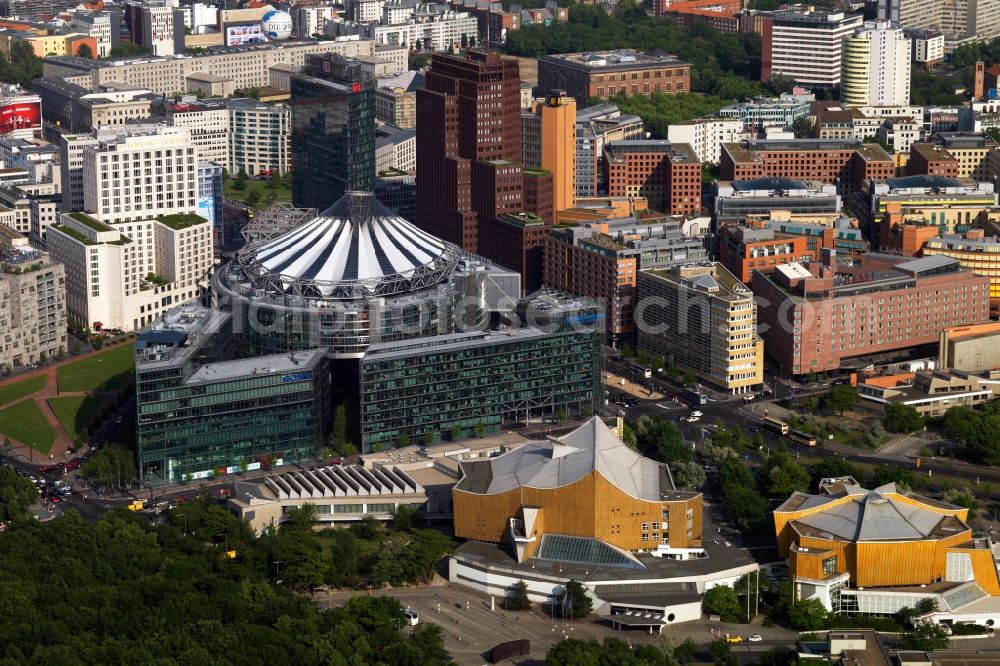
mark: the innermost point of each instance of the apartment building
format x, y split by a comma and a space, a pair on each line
848, 162
247, 65
735, 200
723, 15
706, 135
259, 136
876, 66
156, 25
817, 316
427, 30
103, 27
32, 303
699, 317
605, 74
957, 21
667, 174
208, 123
806, 45
959, 154
601, 260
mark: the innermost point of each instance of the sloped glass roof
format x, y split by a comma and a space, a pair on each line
583, 550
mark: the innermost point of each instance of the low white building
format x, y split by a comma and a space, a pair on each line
426, 30
706, 135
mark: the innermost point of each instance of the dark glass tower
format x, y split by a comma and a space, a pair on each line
333, 130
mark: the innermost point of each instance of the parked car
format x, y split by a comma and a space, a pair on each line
733, 638
755, 638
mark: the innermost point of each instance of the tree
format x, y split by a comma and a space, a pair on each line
841, 398
253, 198
84, 51
300, 517
721, 652
456, 433
480, 429
802, 127
428, 437
402, 517
575, 601
902, 418
721, 600
16, 495
686, 651
889, 473
781, 475
661, 440
574, 652
240, 183
128, 50
689, 475
808, 615
517, 597
338, 436
833, 467
926, 637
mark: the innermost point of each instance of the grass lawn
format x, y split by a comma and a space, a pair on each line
25, 423
75, 412
263, 190
14, 390
104, 371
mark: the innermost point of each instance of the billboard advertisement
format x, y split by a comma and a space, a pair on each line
19, 115
206, 208
251, 33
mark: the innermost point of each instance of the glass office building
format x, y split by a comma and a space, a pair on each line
545, 364
201, 414
333, 130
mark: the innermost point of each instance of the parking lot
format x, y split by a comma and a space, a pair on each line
471, 627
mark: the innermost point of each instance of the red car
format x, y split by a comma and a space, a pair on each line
72, 464
45, 469
55, 500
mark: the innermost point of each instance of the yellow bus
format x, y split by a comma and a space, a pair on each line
803, 438
776, 424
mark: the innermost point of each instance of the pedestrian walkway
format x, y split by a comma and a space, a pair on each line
61, 447
630, 387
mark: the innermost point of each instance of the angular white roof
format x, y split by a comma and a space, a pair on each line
560, 461
874, 515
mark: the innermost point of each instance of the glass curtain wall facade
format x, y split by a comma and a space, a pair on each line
475, 382
333, 131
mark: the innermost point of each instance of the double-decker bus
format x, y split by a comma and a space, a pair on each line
802, 438
776, 424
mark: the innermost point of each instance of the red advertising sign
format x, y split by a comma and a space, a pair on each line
19, 115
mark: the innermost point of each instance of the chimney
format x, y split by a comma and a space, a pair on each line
828, 257
975, 234
979, 81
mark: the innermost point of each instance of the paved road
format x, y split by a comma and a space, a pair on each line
472, 627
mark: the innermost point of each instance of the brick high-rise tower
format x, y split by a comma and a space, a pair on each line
468, 145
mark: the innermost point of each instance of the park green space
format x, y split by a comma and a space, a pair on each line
104, 371
14, 390
74, 412
25, 423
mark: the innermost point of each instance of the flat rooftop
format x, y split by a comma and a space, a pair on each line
622, 59
285, 364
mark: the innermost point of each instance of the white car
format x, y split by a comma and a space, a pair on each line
693, 419
755, 638
696, 413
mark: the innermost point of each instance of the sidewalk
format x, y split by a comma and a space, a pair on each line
630, 387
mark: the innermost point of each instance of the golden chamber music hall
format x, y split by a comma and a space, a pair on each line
876, 551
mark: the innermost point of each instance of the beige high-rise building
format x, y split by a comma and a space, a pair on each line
701, 318
559, 147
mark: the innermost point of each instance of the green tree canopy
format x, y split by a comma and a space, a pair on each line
16, 495
902, 418
721, 600
808, 615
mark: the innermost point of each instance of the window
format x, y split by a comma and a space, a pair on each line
829, 566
